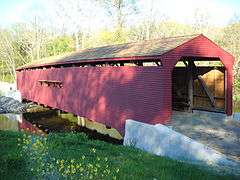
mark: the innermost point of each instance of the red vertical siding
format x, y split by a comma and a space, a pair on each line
202, 47
109, 95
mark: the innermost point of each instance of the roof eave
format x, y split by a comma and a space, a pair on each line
130, 58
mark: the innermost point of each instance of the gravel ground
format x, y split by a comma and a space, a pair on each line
211, 129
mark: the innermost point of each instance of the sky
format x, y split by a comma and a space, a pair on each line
219, 12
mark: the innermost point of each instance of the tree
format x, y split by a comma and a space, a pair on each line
78, 17
60, 45
201, 20
119, 10
7, 56
19, 45
231, 42
30, 39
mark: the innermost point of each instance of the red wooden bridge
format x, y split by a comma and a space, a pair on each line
128, 81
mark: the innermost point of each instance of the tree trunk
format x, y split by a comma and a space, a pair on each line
76, 41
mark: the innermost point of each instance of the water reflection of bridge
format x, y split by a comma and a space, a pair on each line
16, 122
42, 123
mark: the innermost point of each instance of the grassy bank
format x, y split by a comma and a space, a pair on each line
61, 156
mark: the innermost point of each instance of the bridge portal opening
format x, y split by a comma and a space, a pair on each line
199, 84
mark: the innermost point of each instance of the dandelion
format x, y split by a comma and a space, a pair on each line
93, 150
81, 169
90, 166
73, 171
117, 170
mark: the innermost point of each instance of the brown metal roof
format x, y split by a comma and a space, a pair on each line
138, 49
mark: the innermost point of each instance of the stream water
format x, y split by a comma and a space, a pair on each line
46, 122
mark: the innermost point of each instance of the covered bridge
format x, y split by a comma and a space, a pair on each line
144, 80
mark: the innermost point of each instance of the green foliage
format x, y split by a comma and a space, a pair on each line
107, 37
60, 45
230, 41
11, 163
171, 29
6, 77
22, 48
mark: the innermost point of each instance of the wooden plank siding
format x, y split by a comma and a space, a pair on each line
201, 46
214, 80
108, 95
111, 95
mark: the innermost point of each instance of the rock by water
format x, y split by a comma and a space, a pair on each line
10, 105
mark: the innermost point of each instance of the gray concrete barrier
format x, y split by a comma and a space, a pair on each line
163, 141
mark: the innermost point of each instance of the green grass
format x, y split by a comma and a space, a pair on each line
132, 163
11, 164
